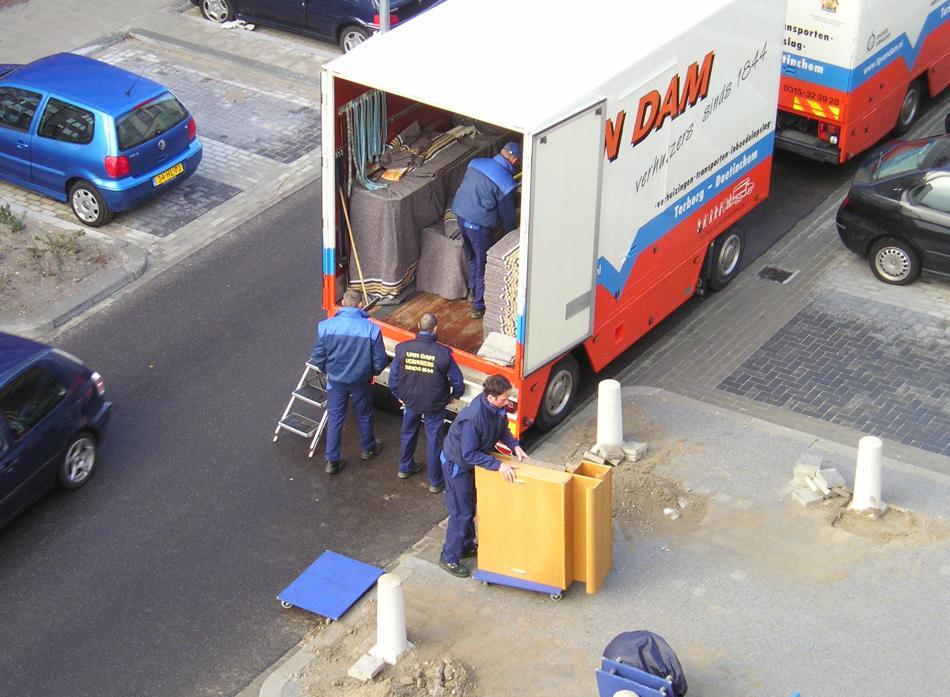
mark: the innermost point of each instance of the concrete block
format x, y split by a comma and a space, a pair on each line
830, 478
801, 472
842, 491
366, 668
634, 450
810, 482
609, 452
807, 498
822, 489
591, 456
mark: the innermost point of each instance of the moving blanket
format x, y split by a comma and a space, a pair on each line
443, 268
387, 223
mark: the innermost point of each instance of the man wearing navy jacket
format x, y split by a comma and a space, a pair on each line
468, 443
349, 351
424, 377
484, 198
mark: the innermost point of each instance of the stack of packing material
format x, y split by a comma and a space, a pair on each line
501, 285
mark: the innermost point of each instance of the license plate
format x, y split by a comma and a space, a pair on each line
168, 174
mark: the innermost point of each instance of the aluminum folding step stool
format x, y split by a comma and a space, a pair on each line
312, 389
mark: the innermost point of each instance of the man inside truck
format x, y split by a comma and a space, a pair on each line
485, 198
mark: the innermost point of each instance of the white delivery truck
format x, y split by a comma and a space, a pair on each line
647, 132
854, 70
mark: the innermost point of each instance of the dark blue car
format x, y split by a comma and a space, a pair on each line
344, 22
97, 136
53, 413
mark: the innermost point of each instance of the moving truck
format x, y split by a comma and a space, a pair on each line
854, 70
642, 148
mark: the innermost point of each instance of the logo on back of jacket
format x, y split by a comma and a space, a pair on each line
682, 93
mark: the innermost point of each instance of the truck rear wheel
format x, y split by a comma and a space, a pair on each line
559, 394
727, 253
910, 108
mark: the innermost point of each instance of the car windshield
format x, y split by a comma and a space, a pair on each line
908, 157
148, 120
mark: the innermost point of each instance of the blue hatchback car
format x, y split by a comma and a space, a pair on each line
92, 134
53, 414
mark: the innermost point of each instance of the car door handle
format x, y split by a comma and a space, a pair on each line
9, 468
21, 145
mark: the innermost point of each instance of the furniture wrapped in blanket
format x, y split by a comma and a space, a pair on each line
387, 223
442, 267
501, 285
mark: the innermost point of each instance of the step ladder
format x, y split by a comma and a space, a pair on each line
312, 389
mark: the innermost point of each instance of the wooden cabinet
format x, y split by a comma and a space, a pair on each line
550, 527
525, 528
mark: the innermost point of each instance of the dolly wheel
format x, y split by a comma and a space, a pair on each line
284, 604
556, 596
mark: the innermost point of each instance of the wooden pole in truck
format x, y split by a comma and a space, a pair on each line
356, 256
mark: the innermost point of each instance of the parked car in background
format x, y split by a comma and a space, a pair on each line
102, 138
53, 414
897, 213
347, 23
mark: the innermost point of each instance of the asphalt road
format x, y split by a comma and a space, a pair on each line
160, 576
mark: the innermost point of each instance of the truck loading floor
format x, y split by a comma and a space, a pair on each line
456, 327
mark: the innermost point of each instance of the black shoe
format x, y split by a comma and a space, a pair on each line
436, 488
334, 467
372, 452
471, 295
477, 314
469, 553
457, 570
415, 469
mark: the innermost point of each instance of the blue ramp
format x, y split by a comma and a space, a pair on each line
330, 585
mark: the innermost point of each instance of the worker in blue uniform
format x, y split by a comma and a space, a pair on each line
485, 197
424, 377
468, 445
349, 350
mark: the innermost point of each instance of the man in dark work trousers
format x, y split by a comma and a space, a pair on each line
485, 197
468, 445
424, 377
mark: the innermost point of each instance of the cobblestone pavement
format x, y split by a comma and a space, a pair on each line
261, 138
832, 351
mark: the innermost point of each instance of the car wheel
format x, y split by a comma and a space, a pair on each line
78, 462
351, 37
894, 261
559, 394
727, 253
910, 108
218, 10
88, 204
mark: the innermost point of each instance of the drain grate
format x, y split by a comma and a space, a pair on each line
774, 273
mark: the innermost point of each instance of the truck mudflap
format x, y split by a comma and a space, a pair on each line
807, 145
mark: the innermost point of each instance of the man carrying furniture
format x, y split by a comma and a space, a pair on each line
468, 443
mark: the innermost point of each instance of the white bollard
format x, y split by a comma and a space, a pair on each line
609, 414
391, 642
867, 477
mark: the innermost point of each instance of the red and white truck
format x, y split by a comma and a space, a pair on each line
855, 70
647, 133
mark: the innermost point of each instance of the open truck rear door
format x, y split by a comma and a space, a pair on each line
565, 169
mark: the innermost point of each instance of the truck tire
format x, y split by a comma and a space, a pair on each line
559, 394
726, 256
910, 108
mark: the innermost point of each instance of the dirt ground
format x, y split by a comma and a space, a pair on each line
41, 264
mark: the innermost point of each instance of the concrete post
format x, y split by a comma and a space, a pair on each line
609, 414
867, 477
391, 642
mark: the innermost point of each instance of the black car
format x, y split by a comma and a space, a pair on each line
344, 22
54, 414
897, 213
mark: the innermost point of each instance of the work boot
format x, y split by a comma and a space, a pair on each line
414, 469
372, 452
436, 488
469, 553
477, 314
334, 466
457, 570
